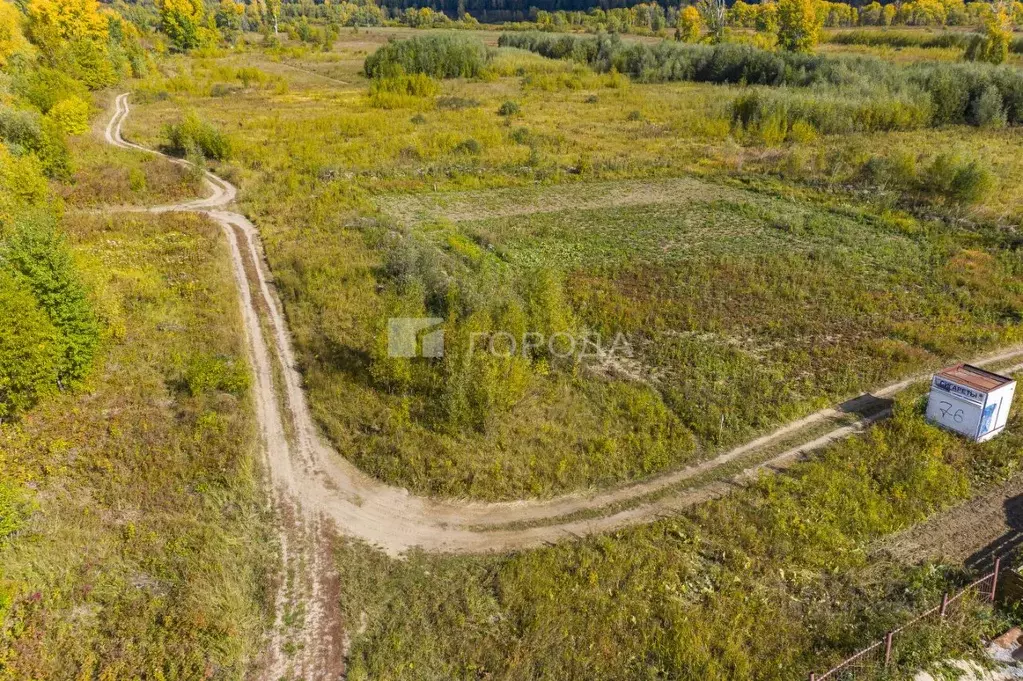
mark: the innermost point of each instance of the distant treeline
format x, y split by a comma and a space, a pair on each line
511, 10
911, 13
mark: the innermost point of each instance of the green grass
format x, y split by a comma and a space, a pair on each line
784, 281
146, 548
768, 583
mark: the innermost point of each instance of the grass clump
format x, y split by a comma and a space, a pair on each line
439, 56
402, 90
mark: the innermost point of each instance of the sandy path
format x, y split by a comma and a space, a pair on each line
307, 471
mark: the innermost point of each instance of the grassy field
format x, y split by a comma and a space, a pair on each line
749, 267
761, 276
141, 547
769, 583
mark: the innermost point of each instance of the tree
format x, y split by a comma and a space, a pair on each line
28, 355
799, 25
714, 14
186, 24
997, 34
767, 17
73, 37
12, 40
53, 23
273, 9
689, 26
229, 16
38, 254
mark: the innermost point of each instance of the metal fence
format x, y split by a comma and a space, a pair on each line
872, 661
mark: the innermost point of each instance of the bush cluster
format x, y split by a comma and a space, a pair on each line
933, 93
440, 56
195, 136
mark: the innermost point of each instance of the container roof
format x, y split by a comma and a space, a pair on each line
974, 377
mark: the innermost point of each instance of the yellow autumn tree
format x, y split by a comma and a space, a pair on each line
72, 36
52, 24
689, 25
186, 23
799, 25
992, 44
12, 40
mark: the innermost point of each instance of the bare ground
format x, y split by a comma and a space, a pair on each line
972, 533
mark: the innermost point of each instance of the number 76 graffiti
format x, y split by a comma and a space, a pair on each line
946, 412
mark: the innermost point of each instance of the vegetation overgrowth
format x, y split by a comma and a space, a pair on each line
769, 583
879, 95
133, 536
772, 231
440, 56
51, 57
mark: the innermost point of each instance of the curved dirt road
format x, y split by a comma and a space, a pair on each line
321, 481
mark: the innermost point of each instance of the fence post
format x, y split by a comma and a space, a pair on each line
994, 578
944, 605
888, 648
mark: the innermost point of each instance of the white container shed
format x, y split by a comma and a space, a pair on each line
971, 401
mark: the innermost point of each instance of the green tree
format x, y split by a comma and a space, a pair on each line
273, 9
28, 347
714, 14
229, 18
799, 25
186, 24
38, 253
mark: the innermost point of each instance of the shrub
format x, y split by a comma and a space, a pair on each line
875, 38
28, 349
20, 129
987, 111
14, 511
971, 183
38, 253
962, 182
882, 95
440, 56
45, 87
508, 108
193, 135
469, 146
